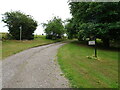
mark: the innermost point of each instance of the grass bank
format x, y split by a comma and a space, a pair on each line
83, 72
10, 47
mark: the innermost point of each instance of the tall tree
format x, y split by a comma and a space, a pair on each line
104, 16
54, 29
17, 19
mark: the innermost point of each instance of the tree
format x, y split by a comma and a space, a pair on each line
54, 28
98, 17
69, 29
17, 19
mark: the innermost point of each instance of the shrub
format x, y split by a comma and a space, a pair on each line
17, 19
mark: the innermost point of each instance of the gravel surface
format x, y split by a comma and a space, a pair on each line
34, 68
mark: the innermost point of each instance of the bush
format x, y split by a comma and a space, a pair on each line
17, 19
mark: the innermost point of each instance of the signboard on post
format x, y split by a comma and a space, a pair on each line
91, 43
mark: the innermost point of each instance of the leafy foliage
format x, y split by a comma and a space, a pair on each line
17, 19
70, 29
97, 19
54, 28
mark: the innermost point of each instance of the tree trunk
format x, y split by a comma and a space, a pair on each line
106, 42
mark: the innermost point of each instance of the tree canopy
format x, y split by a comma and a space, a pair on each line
17, 19
99, 19
54, 28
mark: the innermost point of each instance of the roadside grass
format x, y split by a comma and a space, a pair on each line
83, 72
10, 47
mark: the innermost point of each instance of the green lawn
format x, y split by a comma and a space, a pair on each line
83, 72
10, 47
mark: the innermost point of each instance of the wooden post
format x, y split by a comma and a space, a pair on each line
95, 48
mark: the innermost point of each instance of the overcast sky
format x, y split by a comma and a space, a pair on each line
41, 10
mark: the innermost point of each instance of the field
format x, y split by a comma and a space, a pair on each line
10, 47
84, 72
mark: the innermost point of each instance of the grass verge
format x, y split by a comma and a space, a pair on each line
10, 47
84, 72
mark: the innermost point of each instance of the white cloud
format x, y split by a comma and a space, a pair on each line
41, 10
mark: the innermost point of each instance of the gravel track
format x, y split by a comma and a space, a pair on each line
34, 68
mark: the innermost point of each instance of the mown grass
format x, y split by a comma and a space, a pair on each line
83, 72
10, 47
